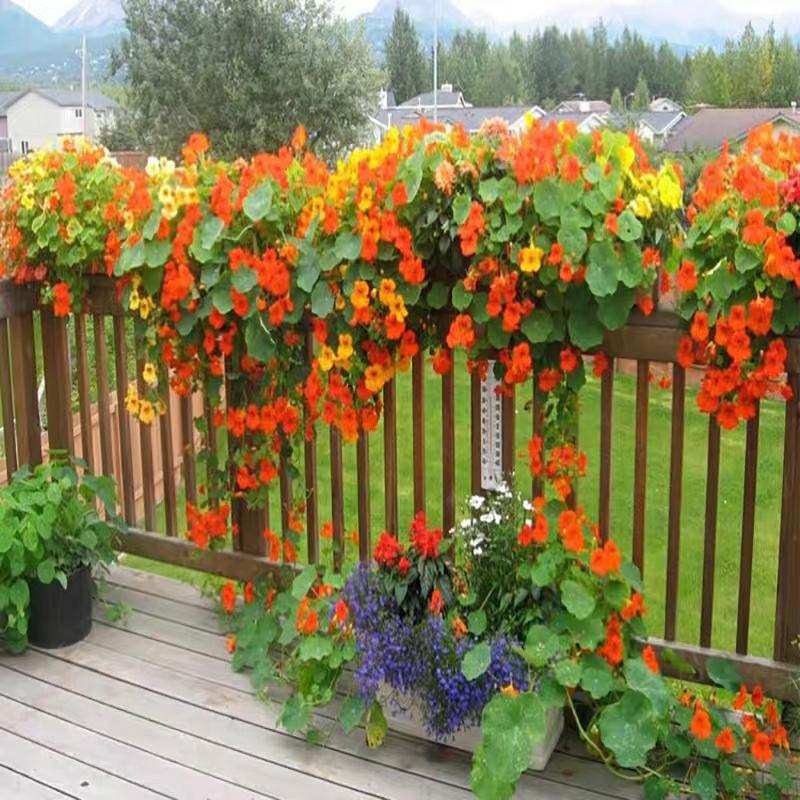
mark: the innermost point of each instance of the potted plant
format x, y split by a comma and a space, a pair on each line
52, 536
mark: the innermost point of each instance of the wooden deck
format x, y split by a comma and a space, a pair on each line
150, 708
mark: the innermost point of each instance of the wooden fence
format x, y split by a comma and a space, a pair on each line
643, 340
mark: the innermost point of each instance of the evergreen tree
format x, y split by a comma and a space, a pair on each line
617, 103
406, 62
785, 87
597, 81
641, 95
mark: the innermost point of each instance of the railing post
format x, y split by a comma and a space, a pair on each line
26, 403
787, 611
57, 381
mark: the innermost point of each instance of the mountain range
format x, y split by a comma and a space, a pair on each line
31, 51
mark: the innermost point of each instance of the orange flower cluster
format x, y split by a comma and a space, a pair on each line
743, 363
207, 528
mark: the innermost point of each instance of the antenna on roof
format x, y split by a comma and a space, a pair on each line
83, 83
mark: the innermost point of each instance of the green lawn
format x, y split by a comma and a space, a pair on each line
691, 563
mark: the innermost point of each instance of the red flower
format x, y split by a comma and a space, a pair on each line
227, 597
687, 276
436, 604
388, 550
651, 659
700, 725
761, 749
61, 299
426, 542
725, 741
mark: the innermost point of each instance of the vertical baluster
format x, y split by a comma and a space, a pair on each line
449, 449
362, 476
538, 431
640, 462
508, 445
7, 399
418, 429
58, 382
168, 469
710, 547
606, 420
103, 395
675, 500
337, 497
390, 455
146, 446
310, 461
26, 401
125, 447
84, 392
475, 432
187, 449
748, 531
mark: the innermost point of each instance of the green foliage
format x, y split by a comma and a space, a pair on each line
246, 73
50, 526
406, 63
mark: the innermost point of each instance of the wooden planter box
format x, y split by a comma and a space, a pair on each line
403, 716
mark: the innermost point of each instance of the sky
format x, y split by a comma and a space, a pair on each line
510, 10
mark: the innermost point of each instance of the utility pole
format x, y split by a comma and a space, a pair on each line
83, 83
435, 61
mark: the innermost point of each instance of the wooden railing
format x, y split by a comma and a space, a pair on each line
157, 534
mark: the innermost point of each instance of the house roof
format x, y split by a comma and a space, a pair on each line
583, 106
443, 99
66, 97
471, 117
657, 101
584, 120
659, 121
710, 127
6, 98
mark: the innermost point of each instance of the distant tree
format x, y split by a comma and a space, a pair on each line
406, 62
709, 82
785, 73
641, 95
748, 63
597, 80
246, 72
617, 103
467, 62
670, 75
501, 81
555, 69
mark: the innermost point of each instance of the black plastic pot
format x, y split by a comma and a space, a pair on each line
60, 617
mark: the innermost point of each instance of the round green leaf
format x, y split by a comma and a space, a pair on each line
628, 227
603, 269
596, 676
577, 599
476, 661
629, 730
537, 326
258, 202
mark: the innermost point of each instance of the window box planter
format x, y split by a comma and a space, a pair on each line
60, 617
403, 716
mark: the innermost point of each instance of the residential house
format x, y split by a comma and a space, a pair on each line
664, 104
654, 127
710, 127
38, 117
5, 99
580, 105
452, 109
585, 121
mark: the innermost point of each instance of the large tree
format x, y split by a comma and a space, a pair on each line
406, 62
246, 72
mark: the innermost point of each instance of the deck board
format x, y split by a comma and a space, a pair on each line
148, 707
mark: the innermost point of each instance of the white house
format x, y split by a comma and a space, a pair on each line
582, 105
38, 117
664, 104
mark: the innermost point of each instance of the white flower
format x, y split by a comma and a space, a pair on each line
476, 501
527, 505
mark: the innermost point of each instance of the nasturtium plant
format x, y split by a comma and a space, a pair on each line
50, 526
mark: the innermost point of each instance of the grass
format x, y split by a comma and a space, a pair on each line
693, 513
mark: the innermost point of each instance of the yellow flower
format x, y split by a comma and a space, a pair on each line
147, 412
145, 307
166, 194
161, 407
169, 210
153, 168
641, 206
326, 358
669, 190
134, 300
149, 374
345, 349
530, 258
132, 400
365, 198
387, 291
627, 155
375, 377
